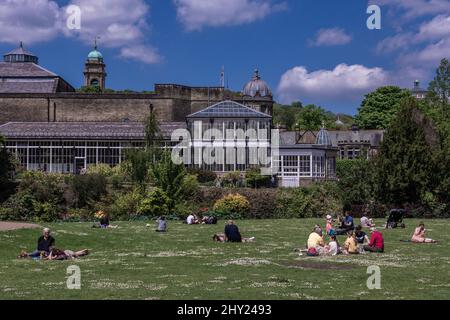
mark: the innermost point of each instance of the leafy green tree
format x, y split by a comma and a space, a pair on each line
173, 179
311, 118
380, 107
255, 179
405, 167
6, 164
355, 181
440, 86
285, 115
152, 131
139, 161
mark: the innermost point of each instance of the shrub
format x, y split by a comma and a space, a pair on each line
156, 204
232, 179
203, 176
125, 205
255, 179
45, 211
232, 204
87, 188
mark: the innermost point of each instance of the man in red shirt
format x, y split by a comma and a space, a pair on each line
376, 243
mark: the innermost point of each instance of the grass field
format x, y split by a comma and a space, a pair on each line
134, 262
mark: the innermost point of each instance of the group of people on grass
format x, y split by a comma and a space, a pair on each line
46, 250
357, 240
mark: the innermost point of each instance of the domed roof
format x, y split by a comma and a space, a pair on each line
338, 122
20, 55
257, 87
323, 137
95, 54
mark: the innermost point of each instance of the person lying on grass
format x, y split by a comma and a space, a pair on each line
44, 243
57, 254
376, 243
351, 245
419, 235
220, 237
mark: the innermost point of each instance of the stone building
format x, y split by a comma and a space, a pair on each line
95, 69
28, 92
59, 130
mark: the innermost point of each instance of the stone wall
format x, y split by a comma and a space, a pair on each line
170, 102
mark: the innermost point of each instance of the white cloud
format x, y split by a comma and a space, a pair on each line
30, 21
415, 8
331, 37
196, 14
400, 41
437, 28
141, 53
119, 24
343, 83
116, 22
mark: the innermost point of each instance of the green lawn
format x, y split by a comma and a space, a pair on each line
134, 262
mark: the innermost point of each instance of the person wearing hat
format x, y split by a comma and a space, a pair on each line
329, 226
376, 243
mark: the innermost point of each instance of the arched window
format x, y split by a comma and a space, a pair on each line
94, 82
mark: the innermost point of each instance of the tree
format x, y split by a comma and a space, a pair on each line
355, 181
6, 163
285, 115
440, 86
406, 165
380, 107
152, 131
311, 118
173, 179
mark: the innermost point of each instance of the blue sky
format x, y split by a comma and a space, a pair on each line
317, 52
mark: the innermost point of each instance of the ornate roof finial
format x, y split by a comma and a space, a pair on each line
256, 76
95, 43
21, 44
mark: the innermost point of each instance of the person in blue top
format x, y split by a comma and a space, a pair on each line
347, 224
232, 233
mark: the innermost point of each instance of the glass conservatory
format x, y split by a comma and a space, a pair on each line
229, 136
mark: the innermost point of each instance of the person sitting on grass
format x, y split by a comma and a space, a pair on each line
329, 226
376, 243
104, 221
361, 236
333, 246
419, 235
44, 244
57, 254
220, 237
366, 222
315, 242
162, 224
192, 219
232, 233
347, 224
351, 245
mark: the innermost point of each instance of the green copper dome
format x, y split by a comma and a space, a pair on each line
95, 55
